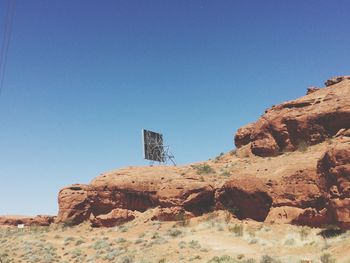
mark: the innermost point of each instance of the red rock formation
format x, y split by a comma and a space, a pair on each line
335, 80
304, 187
253, 197
325, 198
295, 124
136, 189
39, 220
335, 167
74, 204
312, 217
311, 90
171, 214
339, 212
298, 216
246, 197
113, 218
284, 214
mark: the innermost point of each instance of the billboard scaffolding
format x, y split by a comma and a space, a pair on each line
154, 149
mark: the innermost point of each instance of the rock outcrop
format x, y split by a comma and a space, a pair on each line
246, 197
284, 214
113, 218
296, 124
291, 166
336, 80
311, 90
134, 189
262, 198
74, 204
335, 167
39, 220
171, 214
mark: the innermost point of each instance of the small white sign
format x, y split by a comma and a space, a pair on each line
20, 226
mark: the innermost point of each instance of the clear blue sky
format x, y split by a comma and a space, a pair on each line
85, 76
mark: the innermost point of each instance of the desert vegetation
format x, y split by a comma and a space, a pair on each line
203, 169
213, 237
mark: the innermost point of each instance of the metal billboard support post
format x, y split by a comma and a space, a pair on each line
168, 155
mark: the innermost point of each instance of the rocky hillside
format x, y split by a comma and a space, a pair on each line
312, 119
291, 166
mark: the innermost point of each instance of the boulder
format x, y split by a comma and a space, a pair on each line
265, 145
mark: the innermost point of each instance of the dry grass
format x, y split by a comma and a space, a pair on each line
210, 238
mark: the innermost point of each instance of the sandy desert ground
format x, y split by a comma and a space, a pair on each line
213, 237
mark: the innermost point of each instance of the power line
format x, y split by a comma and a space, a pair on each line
6, 40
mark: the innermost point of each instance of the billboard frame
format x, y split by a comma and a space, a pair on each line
164, 153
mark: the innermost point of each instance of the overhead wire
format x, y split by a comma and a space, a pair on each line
6, 40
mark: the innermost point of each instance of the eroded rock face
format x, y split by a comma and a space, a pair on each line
39, 220
305, 121
312, 217
284, 214
339, 212
318, 197
171, 214
335, 167
74, 204
140, 191
264, 199
135, 189
245, 197
113, 218
298, 216
303, 188
311, 90
336, 80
